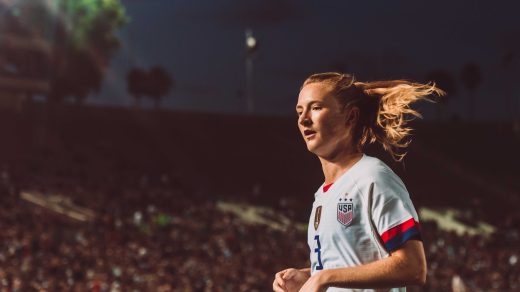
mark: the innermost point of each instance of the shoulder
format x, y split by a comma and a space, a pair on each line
374, 175
372, 170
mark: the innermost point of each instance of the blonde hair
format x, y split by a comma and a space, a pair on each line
384, 108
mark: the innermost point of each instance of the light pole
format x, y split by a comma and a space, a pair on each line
251, 47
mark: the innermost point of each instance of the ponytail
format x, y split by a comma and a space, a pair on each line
384, 108
393, 113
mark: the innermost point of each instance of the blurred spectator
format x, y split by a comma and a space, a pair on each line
152, 234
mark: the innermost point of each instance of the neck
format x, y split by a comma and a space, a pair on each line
334, 168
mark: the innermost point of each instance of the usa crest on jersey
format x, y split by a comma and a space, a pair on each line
345, 213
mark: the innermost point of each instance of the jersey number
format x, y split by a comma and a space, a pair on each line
317, 250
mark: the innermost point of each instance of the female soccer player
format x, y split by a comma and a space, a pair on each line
363, 230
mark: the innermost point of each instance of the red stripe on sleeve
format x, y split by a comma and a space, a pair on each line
390, 233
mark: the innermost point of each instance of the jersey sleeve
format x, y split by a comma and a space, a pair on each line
393, 212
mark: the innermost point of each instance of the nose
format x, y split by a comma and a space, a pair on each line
304, 119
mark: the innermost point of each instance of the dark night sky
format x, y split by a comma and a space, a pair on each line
201, 43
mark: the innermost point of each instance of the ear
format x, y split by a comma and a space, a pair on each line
352, 116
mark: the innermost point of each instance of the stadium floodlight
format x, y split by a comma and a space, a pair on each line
251, 48
251, 43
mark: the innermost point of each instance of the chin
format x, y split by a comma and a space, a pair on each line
312, 148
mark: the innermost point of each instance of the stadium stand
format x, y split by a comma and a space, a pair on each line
155, 179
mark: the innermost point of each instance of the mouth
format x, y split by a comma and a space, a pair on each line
309, 134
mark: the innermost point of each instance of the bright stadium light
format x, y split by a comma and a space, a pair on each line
250, 41
251, 47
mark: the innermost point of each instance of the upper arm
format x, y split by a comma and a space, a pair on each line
393, 213
398, 226
411, 260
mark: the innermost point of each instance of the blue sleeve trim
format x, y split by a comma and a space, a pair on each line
399, 240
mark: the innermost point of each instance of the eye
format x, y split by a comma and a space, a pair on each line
316, 108
298, 113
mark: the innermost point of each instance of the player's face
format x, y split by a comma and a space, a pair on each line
322, 121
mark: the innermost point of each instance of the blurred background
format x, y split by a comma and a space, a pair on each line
151, 145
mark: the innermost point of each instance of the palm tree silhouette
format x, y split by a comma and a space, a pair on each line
471, 78
445, 81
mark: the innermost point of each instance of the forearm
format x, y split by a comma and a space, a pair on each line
380, 274
397, 270
306, 270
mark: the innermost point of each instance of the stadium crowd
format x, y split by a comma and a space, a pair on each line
150, 234
146, 237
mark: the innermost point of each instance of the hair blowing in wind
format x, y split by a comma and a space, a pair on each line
384, 108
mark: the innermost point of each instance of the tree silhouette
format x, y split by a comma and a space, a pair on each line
77, 39
154, 83
160, 83
445, 81
471, 78
136, 84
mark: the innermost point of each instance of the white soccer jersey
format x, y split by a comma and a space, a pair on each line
366, 214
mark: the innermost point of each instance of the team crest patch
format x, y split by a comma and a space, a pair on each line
345, 213
317, 217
